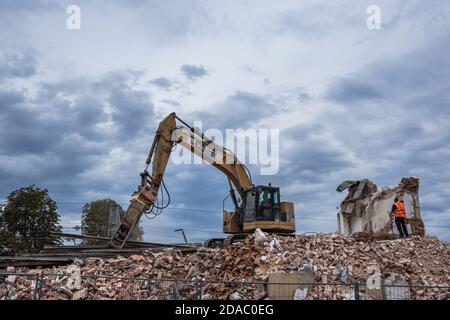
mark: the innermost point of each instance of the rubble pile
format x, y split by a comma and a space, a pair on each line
332, 259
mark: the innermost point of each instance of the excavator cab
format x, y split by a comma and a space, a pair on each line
261, 208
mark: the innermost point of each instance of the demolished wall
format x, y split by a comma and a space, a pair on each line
367, 209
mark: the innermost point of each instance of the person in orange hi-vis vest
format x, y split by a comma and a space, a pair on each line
399, 212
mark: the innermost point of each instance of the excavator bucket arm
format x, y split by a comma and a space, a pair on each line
145, 197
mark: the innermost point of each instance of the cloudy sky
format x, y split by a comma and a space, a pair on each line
78, 108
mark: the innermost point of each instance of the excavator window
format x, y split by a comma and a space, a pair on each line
250, 208
276, 198
265, 198
268, 197
265, 204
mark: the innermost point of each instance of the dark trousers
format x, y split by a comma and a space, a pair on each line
401, 226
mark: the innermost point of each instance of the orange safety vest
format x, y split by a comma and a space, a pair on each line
400, 211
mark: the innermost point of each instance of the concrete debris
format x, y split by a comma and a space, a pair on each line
339, 273
11, 279
74, 280
12, 294
367, 209
78, 262
327, 259
207, 297
273, 244
300, 294
259, 235
235, 296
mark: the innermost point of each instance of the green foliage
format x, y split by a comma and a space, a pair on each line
95, 219
27, 220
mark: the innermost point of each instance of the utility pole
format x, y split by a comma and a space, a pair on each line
184, 235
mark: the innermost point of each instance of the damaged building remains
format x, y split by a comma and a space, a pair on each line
367, 208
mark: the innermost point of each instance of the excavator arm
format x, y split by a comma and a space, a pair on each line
167, 136
214, 154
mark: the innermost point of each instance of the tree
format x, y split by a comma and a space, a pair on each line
95, 219
27, 220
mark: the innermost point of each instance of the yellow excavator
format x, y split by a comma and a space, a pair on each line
257, 206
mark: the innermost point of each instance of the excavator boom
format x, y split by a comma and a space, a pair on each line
167, 135
218, 156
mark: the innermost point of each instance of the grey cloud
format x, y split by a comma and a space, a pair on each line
420, 71
173, 20
20, 129
302, 94
172, 103
25, 6
310, 169
314, 156
297, 22
351, 90
193, 72
57, 136
316, 20
162, 83
239, 110
16, 65
197, 187
211, 185
252, 70
133, 110
9, 97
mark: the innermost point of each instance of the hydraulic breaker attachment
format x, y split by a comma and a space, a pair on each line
141, 201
